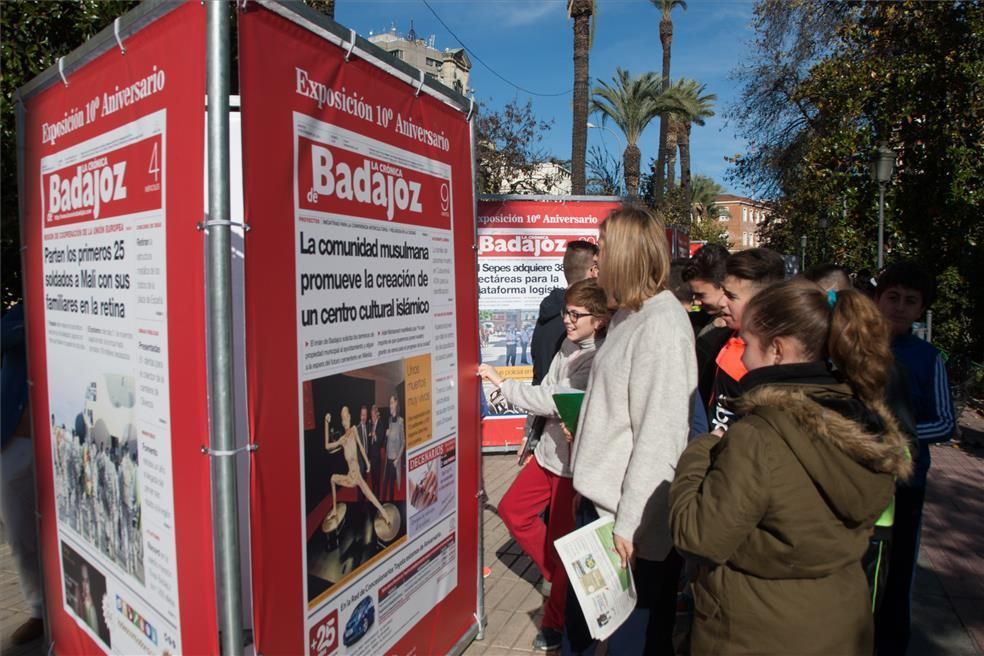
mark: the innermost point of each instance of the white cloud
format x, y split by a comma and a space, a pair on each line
525, 13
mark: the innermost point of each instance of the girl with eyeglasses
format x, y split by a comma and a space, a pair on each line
545, 479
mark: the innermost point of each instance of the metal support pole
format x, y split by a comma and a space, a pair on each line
221, 388
881, 225
481, 496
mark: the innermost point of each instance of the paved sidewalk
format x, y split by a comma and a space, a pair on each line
948, 606
948, 602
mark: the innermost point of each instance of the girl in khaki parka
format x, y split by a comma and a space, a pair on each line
779, 512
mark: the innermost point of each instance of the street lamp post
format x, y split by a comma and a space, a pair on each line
882, 166
605, 127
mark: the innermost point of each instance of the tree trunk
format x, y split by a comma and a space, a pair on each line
684, 145
666, 39
672, 134
581, 13
631, 159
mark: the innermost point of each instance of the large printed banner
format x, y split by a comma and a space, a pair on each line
113, 182
521, 244
361, 349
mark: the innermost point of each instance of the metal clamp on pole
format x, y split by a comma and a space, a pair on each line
420, 84
116, 33
351, 44
225, 453
202, 225
61, 70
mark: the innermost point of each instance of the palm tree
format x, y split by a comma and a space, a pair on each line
703, 193
674, 126
666, 40
698, 105
631, 103
581, 11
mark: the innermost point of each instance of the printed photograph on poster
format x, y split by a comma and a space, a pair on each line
96, 463
433, 482
505, 336
85, 592
505, 342
355, 441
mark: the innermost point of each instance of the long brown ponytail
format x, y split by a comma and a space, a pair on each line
847, 328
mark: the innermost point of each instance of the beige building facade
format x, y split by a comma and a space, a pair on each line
450, 66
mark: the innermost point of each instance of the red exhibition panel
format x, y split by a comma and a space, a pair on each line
521, 243
361, 350
112, 190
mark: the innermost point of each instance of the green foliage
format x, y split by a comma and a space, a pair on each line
632, 103
827, 82
34, 35
704, 224
509, 152
604, 173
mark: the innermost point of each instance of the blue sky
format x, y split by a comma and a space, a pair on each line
529, 42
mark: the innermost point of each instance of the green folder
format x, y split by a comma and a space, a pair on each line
569, 408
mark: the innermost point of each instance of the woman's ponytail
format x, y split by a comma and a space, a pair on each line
846, 327
859, 344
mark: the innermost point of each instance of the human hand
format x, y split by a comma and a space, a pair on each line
327, 418
719, 431
625, 550
575, 502
488, 372
567, 433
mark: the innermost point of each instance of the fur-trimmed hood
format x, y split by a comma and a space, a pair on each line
839, 441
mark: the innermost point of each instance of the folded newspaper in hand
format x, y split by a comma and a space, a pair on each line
605, 591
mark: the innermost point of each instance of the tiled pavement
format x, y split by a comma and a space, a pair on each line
948, 602
13, 612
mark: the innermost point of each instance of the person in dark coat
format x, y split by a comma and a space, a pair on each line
780, 509
580, 262
17, 490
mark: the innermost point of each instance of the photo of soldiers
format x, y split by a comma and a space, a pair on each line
97, 477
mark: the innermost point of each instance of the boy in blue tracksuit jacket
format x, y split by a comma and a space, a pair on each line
904, 292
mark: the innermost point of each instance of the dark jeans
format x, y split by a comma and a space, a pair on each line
892, 622
649, 630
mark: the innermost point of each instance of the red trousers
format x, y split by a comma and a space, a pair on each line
520, 508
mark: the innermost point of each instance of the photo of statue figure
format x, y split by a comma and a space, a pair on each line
354, 443
351, 447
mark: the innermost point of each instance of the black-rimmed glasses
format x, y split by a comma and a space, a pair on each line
575, 316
